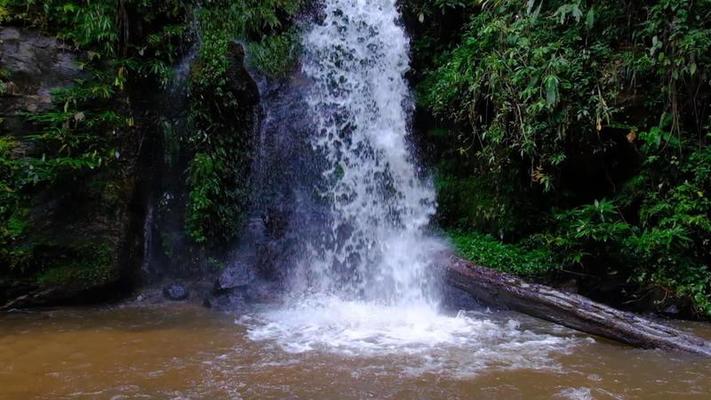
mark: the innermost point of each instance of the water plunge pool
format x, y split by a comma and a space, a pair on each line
181, 351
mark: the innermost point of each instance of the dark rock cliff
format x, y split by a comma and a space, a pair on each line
84, 231
194, 224
36, 64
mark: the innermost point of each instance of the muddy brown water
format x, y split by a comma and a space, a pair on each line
185, 352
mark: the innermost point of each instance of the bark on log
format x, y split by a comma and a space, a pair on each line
567, 309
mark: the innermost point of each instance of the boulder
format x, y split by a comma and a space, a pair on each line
176, 292
263, 292
226, 301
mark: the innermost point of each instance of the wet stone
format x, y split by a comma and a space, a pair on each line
226, 302
234, 276
176, 292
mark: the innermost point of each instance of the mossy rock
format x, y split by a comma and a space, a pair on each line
93, 265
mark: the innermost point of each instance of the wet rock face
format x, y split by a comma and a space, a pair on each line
236, 275
34, 65
226, 302
226, 110
240, 298
232, 287
87, 226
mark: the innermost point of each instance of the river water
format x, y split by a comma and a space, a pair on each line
181, 351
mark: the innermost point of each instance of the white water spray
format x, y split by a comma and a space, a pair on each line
375, 248
366, 285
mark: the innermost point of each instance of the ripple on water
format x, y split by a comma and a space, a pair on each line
581, 393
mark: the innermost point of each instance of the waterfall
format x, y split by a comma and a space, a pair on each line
358, 207
353, 206
375, 246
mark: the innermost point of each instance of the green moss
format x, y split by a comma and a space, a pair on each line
89, 266
17, 224
485, 250
169, 242
4, 13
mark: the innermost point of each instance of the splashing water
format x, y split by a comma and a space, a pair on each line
375, 247
365, 284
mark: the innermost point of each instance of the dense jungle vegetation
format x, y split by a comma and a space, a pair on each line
569, 139
126, 119
578, 127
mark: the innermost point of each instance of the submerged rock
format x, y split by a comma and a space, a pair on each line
672, 310
176, 292
238, 288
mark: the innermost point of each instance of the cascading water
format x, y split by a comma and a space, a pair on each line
360, 207
375, 247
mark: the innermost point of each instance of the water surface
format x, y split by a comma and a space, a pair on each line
183, 351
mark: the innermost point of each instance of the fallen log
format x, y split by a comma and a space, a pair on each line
567, 309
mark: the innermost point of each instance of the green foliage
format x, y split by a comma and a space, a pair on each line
214, 212
261, 25
205, 186
559, 92
476, 202
217, 175
503, 65
662, 243
88, 25
590, 230
487, 251
85, 147
79, 147
76, 139
275, 55
90, 265
221, 122
533, 82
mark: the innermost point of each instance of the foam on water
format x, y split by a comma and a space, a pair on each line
426, 340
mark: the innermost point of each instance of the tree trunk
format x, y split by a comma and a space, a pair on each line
571, 310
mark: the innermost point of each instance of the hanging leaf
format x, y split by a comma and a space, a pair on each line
590, 18
551, 86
